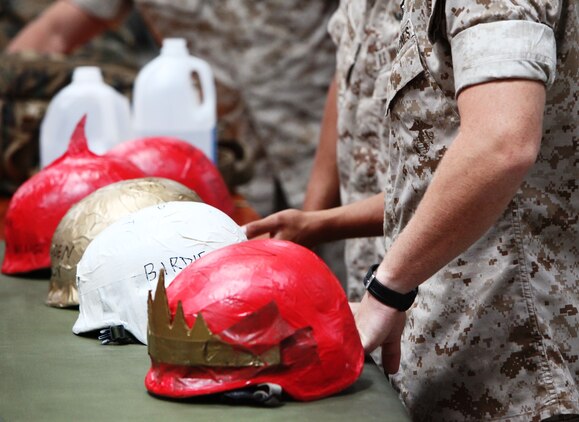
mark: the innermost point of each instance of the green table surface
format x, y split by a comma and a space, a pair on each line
47, 374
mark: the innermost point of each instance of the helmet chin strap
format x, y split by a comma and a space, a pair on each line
115, 335
266, 394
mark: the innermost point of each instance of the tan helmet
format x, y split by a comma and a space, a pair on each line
93, 214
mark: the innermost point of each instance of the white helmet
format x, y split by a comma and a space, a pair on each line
123, 262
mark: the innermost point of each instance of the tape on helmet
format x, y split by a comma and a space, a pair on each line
258, 312
90, 216
123, 262
178, 160
40, 203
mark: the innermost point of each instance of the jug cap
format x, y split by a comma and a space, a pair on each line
174, 46
87, 74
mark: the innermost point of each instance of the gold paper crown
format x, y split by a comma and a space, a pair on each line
173, 342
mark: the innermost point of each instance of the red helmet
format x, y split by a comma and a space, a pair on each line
180, 161
261, 311
39, 204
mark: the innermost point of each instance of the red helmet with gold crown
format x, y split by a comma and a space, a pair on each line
258, 312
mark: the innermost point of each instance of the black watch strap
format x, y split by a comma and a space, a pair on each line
385, 295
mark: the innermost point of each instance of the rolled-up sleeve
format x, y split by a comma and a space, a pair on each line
104, 9
503, 50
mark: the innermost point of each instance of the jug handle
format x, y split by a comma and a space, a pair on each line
207, 84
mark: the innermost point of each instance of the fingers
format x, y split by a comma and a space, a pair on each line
283, 225
391, 349
374, 322
260, 227
380, 325
391, 356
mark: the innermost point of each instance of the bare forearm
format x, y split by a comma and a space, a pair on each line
358, 219
474, 182
310, 228
60, 29
323, 189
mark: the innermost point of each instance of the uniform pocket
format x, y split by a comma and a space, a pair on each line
405, 68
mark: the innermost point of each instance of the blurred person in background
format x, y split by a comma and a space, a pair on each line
273, 62
29, 80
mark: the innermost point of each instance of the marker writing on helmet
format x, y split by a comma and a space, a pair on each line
59, 251
151, 270
173, 261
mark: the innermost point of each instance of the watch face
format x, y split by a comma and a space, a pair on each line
368, 278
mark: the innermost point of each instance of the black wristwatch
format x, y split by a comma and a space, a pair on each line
386, 296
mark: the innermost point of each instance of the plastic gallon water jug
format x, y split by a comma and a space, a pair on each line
108, 115
174, 96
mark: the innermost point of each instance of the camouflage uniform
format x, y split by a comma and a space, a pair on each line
273, 61
494, 334
365, 33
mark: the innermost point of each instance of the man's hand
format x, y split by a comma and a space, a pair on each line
61, 28
294, 225
380, 325
310, 228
